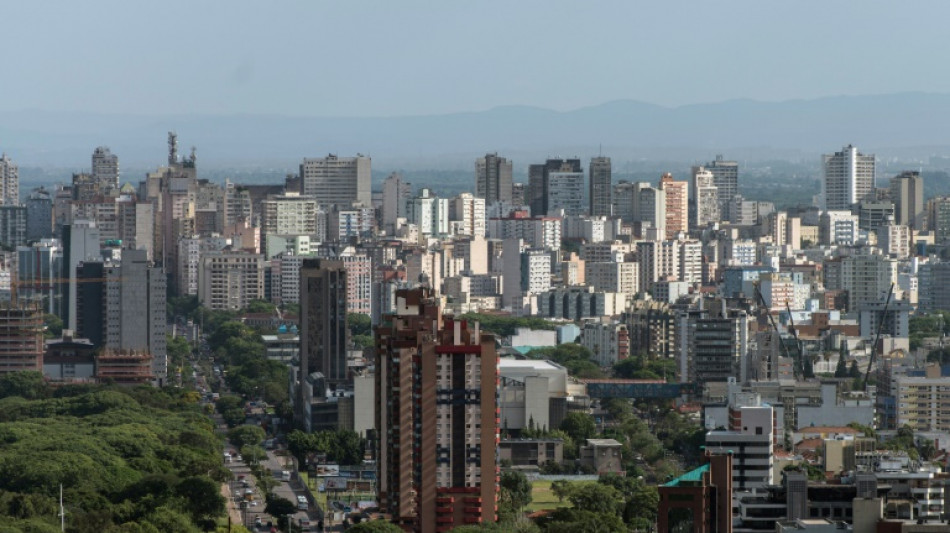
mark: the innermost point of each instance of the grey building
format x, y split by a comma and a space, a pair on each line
12, 225
80, 243
39, 215
105, 168
726, 179
564, 186
493, 178
337, 181
38, 269
600, 187
323, 333
907, 193
9, 181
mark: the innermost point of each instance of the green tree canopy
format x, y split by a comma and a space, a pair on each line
579, 426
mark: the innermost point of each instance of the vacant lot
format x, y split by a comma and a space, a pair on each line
543, 498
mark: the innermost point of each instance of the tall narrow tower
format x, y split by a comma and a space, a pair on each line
600, 186
848, 178
493, 178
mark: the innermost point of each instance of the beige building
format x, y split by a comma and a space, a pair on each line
677, 205
337, 181
228, 281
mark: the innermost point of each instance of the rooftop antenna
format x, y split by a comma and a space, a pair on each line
172, 148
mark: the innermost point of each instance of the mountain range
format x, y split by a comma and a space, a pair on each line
911, 126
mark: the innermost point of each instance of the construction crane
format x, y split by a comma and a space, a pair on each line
778, 333
798, 343
877, 337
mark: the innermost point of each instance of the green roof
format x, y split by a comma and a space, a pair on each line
523, 350
693, 476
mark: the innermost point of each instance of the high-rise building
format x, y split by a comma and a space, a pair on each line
468, 212
677, 205
430, 213
848, 178
230, 280
133, 309
536, 193
337, 181
600, 186
39, 215
324, 335
726, 179
21, 337
9, 181
438, 423
907, 193
396, 195
13, 225
105, 168
80, 243
704, 196
564, 186
38, 268
493, 178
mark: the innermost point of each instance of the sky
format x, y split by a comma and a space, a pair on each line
398, 58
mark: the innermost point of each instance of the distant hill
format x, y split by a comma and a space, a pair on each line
907, 125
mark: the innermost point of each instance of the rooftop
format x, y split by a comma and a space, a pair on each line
691, 477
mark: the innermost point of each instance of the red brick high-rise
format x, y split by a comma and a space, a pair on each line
436, 378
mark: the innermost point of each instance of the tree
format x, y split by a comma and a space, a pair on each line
359, 324
202, 496
375, 526
597, 498
561, 489
29, 385
54, 326
277, 506
580, 426
515, 490
242, 436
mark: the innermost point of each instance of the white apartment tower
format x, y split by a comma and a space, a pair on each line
337, 181
469, 211
704, 208
9, 181
848, 178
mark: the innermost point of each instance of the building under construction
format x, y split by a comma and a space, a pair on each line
21, 337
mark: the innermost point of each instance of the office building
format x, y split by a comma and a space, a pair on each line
105, 168
80, 243
726, 179
848, 178
39, 215
907, 193
396, 195
9, 181
749, 438
600, 187
39, 268
324, 336
337, 181
438, 426
12, 225
563, 187
676, 194
713, 343
493, 179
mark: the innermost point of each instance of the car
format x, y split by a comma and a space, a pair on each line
249, 491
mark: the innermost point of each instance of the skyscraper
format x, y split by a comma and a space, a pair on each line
437, 423
80, 243
396, 195
134, 309
677, 205
848, 178
105, 168
9, 181
564, 186
337, 181
726, 179
907, 193
600, 186
323, 332
493, 178
704, 196
39, 215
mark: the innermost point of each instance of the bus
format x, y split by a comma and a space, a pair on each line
302, 503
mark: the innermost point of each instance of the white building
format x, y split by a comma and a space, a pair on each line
705, 198
470, 211
749, 437
608, 341
396, 195
848, 178
430, 213
230, 280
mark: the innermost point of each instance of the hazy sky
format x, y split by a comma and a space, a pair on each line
384, 58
